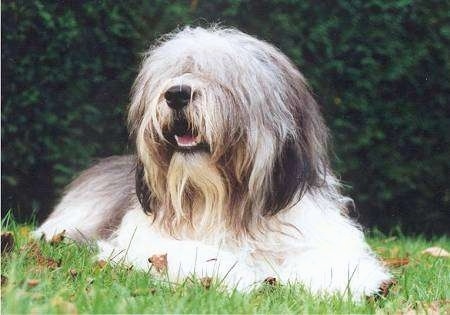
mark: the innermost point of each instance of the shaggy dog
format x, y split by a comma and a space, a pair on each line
230, 178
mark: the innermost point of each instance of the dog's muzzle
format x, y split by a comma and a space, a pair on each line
182, 135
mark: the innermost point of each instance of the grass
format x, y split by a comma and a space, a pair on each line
38, 283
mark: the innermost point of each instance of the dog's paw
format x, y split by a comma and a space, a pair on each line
39, 234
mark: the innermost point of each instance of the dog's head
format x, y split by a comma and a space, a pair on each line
226, 130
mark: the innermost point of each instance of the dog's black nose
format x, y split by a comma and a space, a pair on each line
178, 96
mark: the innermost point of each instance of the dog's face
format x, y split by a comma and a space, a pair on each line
226, 131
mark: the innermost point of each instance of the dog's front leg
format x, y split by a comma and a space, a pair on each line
186, 259
139, 244
356, 273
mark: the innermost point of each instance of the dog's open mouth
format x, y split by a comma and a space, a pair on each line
187, 140
184, 138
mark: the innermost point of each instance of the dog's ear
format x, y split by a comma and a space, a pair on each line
285, 179
301, 163
142, 190
292, 175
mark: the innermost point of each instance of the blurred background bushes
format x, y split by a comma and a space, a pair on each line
380, 70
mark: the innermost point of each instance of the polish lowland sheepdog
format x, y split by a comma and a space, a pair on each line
230, 178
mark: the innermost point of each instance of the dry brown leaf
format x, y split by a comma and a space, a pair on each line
270, 281
206, 282
32, 248
57, 238
7, 242
436, 252
159, 262
34, 252
395, 262
31, 283
101, 263
384, 289
50, 263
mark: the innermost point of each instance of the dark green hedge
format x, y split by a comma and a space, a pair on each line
380, 69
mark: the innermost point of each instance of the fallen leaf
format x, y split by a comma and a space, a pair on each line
50, 263
206, 282
159, 262
7, 242
34, 252
384, 289
57, 238
101, 263
31, 249
31, 283
395, 262
436, 252
270, 281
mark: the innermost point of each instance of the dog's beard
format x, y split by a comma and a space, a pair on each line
196, 195
189, 186
200, 187
208, 186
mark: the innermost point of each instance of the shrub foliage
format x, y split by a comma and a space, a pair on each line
379, 68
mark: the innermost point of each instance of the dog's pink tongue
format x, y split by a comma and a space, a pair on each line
185, 139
